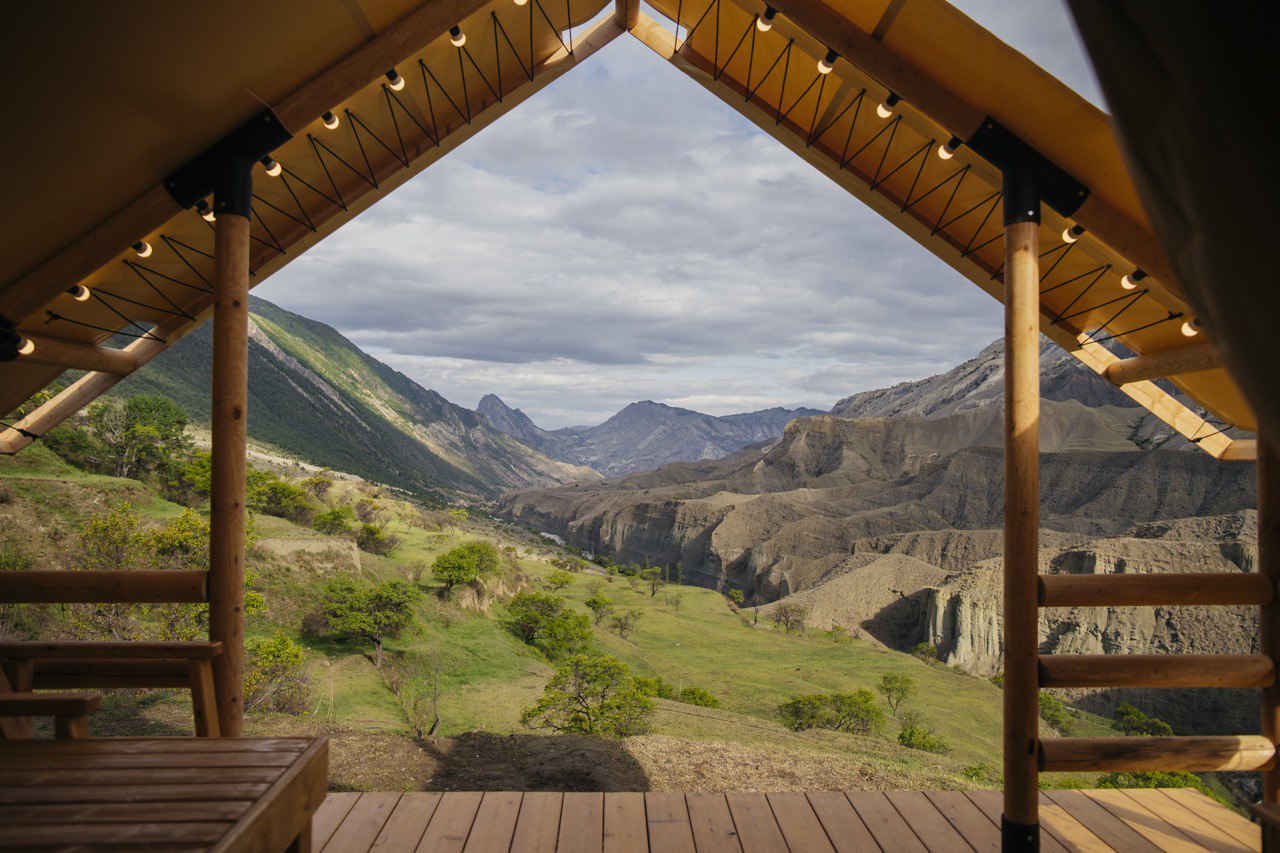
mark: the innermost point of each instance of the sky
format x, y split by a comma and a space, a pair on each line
625, 236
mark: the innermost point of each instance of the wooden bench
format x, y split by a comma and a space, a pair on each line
1268, 814
70, 711
103, 666
231, 794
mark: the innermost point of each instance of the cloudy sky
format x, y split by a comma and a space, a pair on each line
625, 236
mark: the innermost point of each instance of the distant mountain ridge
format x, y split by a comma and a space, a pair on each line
644, 435
314, 394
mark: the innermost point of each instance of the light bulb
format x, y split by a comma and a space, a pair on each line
1130, 281
947, 150
457, 37
764, 23
273, 168
885, 109
330, 120
78, 292
394, 81
522, 2
206, 212
142, 248
1072, 234
828, 62
1191, 328
26, 346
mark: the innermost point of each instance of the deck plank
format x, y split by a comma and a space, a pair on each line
967, 819
626, 827
360, 828
1240, 827
1102, 823
581, 823
1199, 830
124, 793
407, 822
930, 825
883, 820
1153, 828
712, 823
667, 818
188, 812
538, 825
757, 827
495, 822
990, 803
800, 826
451, 823
1072, 832
845, 829
326, 819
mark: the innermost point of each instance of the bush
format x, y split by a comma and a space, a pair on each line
654, 686
915, 735
530, 611
1156, 779
268, 494
856, 713
559, 579
600, 606
374, 539
540, 619
1131, 721
982, 774
275, 678
466, 564
1055, 713
334, 522
927, 652
625, 623
591, 696
699, 696
804, 712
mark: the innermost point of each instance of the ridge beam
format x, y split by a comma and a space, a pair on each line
78, 356
1161, 365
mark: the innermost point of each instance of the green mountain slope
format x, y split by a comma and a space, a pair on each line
314, 394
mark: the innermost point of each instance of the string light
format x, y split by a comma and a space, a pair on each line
1072, 234
947, 150
1130, 281
394, 81
456, 36
1191, 328
521, 2
142, 248
886, 109
78, 292
205, 211
828, 62
330, 120
273, 168
764, 23
26, 346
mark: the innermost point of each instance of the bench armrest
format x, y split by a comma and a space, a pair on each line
49, 704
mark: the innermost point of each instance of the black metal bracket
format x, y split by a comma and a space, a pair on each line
1019, 837
1021, 188
10, 340
1001, 148
256, 138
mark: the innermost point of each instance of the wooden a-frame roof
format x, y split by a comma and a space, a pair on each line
106, 101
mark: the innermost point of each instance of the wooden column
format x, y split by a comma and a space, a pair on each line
1269, 623
230, 398
1021, 510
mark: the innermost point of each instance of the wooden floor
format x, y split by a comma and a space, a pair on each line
1138, 820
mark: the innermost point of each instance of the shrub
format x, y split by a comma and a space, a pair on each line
915, 735
896, 688
334, 522
654, 686
600, 606
275, 678
856, 713
699, 696
1055, 713
927, 652
736, 597
982, 774
369, 613
625, 623
466, 564
530, 611
804, 712
317, 486
1156, 779
789, 616
540, 619
268, 494
374, 539
1131, 721
591, 696
559, 579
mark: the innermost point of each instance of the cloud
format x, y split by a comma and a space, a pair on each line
623, 236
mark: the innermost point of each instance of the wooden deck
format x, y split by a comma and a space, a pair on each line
540, 822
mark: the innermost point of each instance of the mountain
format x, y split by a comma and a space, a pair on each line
644, 435
979, 382
316, 395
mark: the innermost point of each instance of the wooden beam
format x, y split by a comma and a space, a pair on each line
1166, 670
1156, 589
80, 356
1021, 520
1240, 450
144, 586
1160, 365
227, 479
626, 13
1113, 754
1269, 616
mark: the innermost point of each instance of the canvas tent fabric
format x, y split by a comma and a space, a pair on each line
114, 102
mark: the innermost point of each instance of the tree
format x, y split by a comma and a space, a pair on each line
736, 597
1055, 713
108, 542
600, 606
896, 688
927, 652
789, 616
371, 614
317, 486
530, 611
138, 435
334, 522
855, 712
540, 619
559, 579
675, 598
1132, 721
915, 735
466, 564
591, 696
275, 678
803, 712
652, 577
374, 539
624, 624
367, 510
269, 494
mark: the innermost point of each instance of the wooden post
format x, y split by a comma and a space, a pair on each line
230, 398
1020, 824
1269, 621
